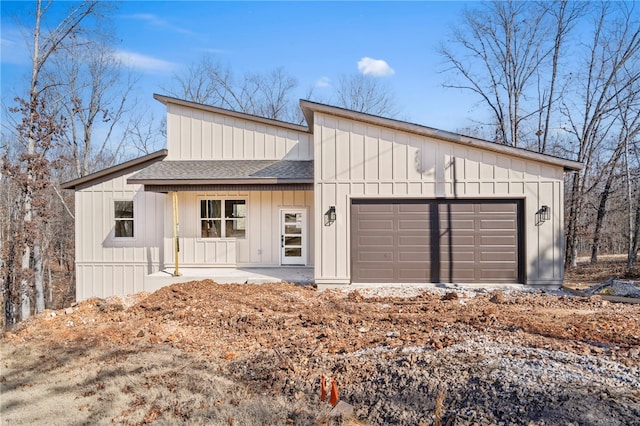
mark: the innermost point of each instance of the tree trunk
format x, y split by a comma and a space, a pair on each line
602, 210
633, 253
39, 277
25, 263
571, 249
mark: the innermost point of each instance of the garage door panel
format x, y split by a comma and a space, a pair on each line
375, 256
384, 224
499, 257
509, 208
419, 208
460, 273
416, 239
456, 207
491, 275
509, 240
510, 224
375, 240
469, 241
459, 256
377, 275
375, 208
413, 256
413, 224
463, 240
417, 275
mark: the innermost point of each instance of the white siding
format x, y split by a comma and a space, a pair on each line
194, 134
261, 245
353, 159
106, 265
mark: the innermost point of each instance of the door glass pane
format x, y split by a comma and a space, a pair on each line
293, 252
292, 229
293, 217
292, 241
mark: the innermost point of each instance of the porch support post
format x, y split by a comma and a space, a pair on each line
176, 230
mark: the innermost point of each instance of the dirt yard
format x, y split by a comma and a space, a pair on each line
203, 353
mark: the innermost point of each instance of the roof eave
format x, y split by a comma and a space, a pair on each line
170, 100
153, 157
196, 182
308, 107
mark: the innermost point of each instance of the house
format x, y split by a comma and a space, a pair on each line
355, 198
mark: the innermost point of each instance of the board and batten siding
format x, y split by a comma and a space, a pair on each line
105, 265
261, 245
362, 160
194, 134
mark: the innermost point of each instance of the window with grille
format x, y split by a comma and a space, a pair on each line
222, 218
123, 216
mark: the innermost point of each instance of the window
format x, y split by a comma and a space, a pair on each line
123, 215
223, 218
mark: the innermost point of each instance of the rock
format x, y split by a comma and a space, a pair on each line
342, 409
498, 297
451, 295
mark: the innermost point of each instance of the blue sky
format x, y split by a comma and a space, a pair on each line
315, 42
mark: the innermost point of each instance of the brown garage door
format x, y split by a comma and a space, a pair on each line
435, 241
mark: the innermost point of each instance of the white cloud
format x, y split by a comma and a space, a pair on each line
158, 22
144, 62
212, 50
323, 82
374, 67
13, 49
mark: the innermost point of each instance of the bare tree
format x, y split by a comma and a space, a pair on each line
89, 87
566, 15
496, 54
38, 132
367, 94
267, 94
611, 70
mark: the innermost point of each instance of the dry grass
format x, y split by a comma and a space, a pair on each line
587, 274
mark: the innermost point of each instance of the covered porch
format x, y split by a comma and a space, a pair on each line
225, 216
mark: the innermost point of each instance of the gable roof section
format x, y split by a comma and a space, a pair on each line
166, 100
117, 170
309, 107
216, 172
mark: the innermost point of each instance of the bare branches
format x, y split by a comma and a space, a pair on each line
365, 94
497, 54
267, 94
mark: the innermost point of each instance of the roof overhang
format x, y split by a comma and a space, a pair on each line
193, 187
309, 107
110, 172
166, 100
183, 175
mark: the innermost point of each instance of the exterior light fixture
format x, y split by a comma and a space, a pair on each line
544, 214
330, 216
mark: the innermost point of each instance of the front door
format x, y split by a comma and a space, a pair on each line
293, 237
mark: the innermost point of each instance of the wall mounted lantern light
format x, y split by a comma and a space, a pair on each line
544, 214
330, 216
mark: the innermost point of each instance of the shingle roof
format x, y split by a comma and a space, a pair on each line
118, 170
225, 171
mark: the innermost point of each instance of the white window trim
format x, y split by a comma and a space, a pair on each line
114, 219
223, 199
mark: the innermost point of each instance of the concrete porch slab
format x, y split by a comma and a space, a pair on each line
294, 274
